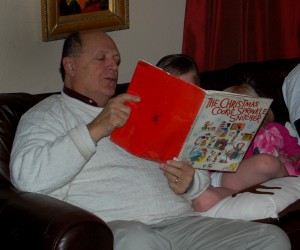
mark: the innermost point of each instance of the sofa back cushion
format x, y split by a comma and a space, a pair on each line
267, 77
12, 107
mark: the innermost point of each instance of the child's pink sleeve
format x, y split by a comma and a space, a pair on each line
291, 145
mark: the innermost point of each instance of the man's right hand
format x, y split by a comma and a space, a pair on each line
114, 115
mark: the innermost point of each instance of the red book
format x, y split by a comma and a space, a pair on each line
176, 119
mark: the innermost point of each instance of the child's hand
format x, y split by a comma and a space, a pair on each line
291, 159
291, 162
296, 161
286, 159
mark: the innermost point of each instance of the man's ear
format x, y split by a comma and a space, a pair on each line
69, 66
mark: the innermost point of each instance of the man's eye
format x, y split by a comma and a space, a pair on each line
117, 60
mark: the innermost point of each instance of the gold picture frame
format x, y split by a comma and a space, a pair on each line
55, 26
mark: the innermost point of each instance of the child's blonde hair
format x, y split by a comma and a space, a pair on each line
248, 90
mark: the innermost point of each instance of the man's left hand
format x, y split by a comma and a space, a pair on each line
179, 174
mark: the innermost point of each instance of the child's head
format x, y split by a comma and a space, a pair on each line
246, 89
182, 66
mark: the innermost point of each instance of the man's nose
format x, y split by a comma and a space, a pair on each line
112, 64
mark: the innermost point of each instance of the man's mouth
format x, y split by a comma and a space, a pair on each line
111, 81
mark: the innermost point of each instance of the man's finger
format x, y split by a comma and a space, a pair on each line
127, 98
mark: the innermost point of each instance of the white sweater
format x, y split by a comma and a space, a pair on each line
54, 154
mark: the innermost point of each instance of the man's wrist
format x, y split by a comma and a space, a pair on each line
190, 186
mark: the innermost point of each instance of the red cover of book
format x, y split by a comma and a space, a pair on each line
176, 119
159, 124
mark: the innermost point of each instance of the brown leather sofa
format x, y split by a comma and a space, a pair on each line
35, 221
266, 77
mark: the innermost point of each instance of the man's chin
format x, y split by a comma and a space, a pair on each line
109, 93
111, 90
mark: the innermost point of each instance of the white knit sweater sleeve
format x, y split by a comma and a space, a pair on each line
50, 149
200, 183
78, 136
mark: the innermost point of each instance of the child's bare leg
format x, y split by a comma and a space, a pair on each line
254, 170
210, 197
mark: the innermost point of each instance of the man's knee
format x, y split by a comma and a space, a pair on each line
281, 240
134, 235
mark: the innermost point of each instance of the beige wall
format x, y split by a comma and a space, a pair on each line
30, 65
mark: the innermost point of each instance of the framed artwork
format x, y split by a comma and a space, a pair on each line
62, 17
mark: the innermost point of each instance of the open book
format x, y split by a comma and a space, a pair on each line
175, 119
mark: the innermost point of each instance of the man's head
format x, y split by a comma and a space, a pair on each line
89, 65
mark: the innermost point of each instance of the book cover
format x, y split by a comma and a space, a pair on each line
175, 119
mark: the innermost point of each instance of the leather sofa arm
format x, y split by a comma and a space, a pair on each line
36, 221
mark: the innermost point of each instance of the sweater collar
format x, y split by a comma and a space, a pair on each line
80, 97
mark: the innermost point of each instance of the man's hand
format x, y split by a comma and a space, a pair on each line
114, 115
179, 174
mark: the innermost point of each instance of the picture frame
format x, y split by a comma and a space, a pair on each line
56, 24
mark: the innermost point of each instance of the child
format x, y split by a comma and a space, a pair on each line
272, 137
263, 167
269, 156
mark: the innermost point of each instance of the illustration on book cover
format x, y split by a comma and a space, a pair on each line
222, 140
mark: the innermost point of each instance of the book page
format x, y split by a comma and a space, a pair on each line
223, 131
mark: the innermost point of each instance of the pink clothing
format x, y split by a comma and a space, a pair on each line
275, 139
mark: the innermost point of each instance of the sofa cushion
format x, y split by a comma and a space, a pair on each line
263, 76
264, 201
